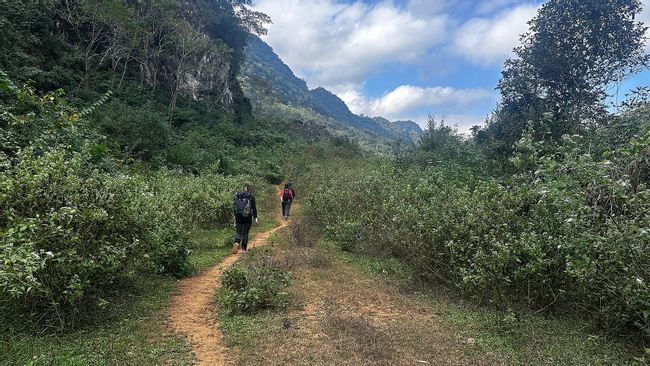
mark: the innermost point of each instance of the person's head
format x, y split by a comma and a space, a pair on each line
247, 187
286, 185
289, 183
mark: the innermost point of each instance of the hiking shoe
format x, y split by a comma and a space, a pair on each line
235, 248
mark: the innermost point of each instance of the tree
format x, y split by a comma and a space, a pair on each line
189, 47
157, 17
29, 50
573, 53
437, 136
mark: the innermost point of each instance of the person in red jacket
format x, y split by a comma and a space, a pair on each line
286, 196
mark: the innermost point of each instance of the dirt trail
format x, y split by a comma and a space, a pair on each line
193, 312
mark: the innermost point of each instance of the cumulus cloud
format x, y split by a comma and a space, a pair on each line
406, 99
340, 44
487, 41
331, 43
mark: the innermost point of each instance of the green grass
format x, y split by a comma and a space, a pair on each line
390, 267
537, 340
534, 340
132, 333
241, 328
210, 247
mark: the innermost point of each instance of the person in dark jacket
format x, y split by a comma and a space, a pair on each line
244, 223
286, 197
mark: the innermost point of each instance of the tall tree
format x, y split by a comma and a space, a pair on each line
157, 18
188, 48
573, 53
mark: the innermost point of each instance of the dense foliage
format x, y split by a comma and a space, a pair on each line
569, 233
73, 226
171, 67
573, 55
122, 130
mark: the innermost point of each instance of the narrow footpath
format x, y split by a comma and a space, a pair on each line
193, 312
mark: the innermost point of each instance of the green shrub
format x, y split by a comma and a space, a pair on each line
570, 234
257, 286
72, 227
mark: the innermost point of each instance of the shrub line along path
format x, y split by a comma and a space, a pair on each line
348, 315
193, 313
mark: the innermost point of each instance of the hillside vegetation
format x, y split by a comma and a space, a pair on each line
125, 132
276, 92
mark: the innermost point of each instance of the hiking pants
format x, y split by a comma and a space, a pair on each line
286, 207
241, 236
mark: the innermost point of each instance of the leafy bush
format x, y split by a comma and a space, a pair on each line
72, 226
257, 286
571, 234
141, 131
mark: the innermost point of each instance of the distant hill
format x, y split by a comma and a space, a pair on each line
400, 129
269, 81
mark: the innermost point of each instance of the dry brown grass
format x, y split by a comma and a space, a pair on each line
343, 316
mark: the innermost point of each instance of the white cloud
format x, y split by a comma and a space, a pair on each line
486, 42
402, 102
645, 18
339, 45
332, 44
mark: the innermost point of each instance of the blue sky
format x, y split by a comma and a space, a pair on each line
405, 59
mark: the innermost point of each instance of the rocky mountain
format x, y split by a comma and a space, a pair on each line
269, 80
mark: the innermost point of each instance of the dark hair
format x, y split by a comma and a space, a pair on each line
289, 184
286, 185
247, 188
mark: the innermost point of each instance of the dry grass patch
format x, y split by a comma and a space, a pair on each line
343, 316
357, 337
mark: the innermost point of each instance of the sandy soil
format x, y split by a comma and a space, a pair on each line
193, 313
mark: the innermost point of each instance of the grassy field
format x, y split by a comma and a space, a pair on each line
352, 310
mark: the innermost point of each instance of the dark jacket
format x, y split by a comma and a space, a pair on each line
239, 217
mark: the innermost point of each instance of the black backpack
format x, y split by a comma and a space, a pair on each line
242, 204
286, 195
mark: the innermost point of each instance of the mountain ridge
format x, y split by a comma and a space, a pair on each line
270, 80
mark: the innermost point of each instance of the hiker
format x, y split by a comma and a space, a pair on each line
286, 196
293, 197
244, 217
293, 191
